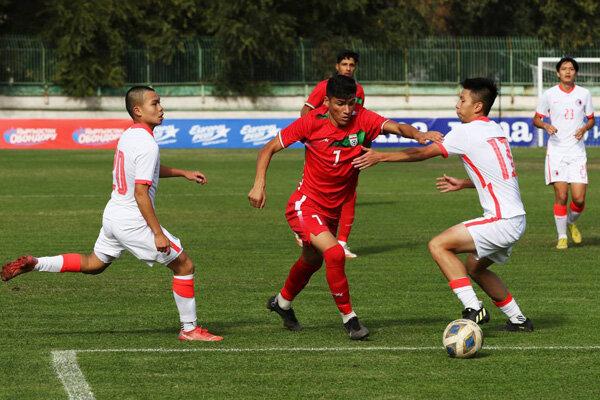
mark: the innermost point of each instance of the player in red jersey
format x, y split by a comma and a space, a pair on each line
333, 136
129, 221
347, 61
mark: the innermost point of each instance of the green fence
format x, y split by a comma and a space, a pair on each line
429, 61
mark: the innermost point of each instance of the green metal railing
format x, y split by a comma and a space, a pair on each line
428, 61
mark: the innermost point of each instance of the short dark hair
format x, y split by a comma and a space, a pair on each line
135, 97
484, 90
347, 54
567, 59
341, 86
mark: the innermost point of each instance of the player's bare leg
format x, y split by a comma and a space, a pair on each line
444, 248
84, 263
494, 287
561, 194
310, 261
578, 191
183, 292
335, 262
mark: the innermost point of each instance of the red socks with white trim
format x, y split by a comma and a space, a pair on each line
63, 263
183, 292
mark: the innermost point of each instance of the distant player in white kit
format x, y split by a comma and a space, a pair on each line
485, 152
571, 113
129, 221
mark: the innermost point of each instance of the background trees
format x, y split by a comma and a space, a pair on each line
91, 36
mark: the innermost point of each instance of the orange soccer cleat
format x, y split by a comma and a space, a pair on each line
200, 334
17, 267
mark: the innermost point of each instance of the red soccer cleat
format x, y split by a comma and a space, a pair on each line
200, 334
19, 266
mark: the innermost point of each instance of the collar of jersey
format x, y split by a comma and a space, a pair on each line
482, 118
141, 125
566, 91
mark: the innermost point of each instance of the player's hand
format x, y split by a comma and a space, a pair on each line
579, 133
429, 136
257, 197
196, 176
448, 184
369, 158
162, 243
551, 129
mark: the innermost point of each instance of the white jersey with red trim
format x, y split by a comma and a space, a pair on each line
137, 160
568, 111
484, 149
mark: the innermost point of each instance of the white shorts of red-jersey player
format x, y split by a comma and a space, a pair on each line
565, 168
494, 238
114, 237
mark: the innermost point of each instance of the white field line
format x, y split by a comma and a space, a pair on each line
68, 371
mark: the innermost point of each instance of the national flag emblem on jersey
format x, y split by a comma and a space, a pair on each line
352, 140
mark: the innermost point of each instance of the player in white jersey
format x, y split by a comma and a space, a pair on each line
571, 113
129, 221
485, 152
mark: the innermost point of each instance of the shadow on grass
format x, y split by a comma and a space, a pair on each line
587, 242
367, 250
375, 203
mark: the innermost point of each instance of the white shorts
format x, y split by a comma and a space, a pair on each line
115, 237
570, 169
495, 238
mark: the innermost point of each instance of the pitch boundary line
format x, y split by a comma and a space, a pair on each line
67, 369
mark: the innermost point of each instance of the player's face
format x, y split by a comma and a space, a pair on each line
151, 111
566, 73
340, 110
346, 67
467, 108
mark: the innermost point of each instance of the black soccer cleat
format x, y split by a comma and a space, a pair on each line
525, 326
480, 316
355, 329
288, 316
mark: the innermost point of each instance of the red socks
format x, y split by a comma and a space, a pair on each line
335, 262
297, 279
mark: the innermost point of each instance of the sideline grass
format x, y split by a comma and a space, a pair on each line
51, 202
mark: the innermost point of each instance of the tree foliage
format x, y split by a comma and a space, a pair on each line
254, 35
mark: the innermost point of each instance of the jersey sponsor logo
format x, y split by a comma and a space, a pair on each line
352, 140
208, 135
165, 134
259, 134
96, 136
29, 136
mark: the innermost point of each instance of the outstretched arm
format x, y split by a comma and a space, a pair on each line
372, 157
170, 172
409, 131
257, 195
450, 184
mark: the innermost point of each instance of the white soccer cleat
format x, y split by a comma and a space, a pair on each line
347, 251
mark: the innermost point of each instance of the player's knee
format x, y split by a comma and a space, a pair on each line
91, 264
579, 201
435, 245
334, 256
561, 198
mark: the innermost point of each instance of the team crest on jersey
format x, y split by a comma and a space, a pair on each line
579, 102
352, 140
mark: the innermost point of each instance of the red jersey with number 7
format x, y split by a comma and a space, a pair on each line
329, 179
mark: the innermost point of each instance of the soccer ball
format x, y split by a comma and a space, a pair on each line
462, 338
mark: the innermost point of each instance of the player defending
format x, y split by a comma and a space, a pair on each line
333, 136
346, 64
570, 109
485, 152
129, 221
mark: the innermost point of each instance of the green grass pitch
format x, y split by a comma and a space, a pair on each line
52, 202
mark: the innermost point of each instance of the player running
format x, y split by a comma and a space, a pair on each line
129, 221
485, 152
346, 64
570, 110
333, 136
